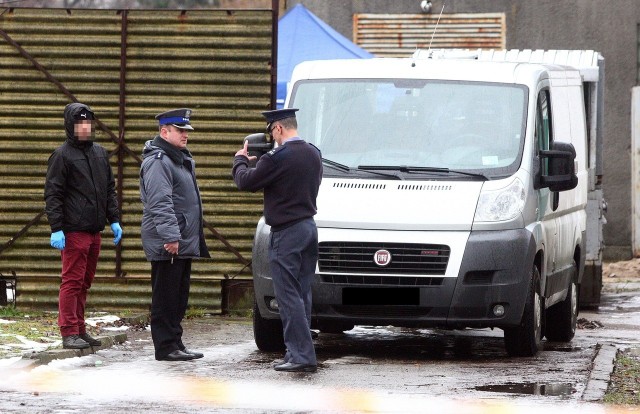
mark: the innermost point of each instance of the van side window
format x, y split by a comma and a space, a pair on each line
544, 134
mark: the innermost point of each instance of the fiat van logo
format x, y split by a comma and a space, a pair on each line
382, 257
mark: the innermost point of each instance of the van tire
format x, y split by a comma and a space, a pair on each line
562, 317
267, 333
525, 340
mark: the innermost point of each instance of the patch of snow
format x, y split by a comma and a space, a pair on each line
32, 345
62, 364
6, 321
115, 328
5, 362
101, 319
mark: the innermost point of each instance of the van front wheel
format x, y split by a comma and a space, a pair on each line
525, 340
267, 332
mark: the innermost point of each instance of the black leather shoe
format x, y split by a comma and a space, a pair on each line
314, 335
176, 355
195, 354
88, 339
74, 342
293, 367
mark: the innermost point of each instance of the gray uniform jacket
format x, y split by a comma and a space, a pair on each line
172, 208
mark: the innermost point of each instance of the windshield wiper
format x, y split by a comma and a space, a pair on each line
409, 169
397, 177
402, 168
336, 165
346, 168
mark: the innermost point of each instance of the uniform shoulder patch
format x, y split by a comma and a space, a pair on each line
276, 151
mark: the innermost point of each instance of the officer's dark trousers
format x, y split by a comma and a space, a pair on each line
293, 253
170, 295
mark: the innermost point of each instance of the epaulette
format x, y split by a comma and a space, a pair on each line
276, 150
159, 155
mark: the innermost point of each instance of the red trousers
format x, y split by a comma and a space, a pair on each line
79, 262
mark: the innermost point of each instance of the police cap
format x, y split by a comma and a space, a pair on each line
278, 114
179, 118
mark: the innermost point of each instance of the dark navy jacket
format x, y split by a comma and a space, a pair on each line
290, 176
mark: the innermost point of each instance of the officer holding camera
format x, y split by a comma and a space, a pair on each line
290, 176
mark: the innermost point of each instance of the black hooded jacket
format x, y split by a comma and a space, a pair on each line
80, 188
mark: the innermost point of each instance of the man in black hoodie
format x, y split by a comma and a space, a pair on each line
80, 200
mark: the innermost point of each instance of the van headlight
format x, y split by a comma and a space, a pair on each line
501, 205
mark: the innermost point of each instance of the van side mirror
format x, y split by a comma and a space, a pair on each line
258, 144
562, 172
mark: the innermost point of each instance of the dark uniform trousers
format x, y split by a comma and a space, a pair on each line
170, 296
293, 253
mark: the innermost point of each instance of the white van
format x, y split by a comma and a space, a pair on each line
454, 192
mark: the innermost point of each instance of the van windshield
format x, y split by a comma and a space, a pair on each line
470, 126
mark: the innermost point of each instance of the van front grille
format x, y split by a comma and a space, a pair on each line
405, 258
382, 280
381, 312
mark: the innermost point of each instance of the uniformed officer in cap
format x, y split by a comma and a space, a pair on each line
290, 175
172, 232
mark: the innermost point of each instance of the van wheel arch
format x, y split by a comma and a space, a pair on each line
563, 316
525, 339
267, 333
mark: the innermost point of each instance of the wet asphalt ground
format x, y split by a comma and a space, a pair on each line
368, 369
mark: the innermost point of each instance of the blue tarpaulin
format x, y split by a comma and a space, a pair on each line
303, 36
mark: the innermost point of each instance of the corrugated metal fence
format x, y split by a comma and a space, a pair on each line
129, 65
399, 35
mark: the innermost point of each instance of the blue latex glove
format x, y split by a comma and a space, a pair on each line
117, 232
57, 240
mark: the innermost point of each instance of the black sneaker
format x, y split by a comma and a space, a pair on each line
91, 341
74, 342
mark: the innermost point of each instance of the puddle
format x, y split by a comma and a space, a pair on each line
349, 360
530, 388
561, 347
263, 357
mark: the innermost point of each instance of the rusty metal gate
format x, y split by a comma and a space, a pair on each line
129, 65
399, 35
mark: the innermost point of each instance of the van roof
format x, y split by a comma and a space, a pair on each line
445, 69
506, 66
587, 62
